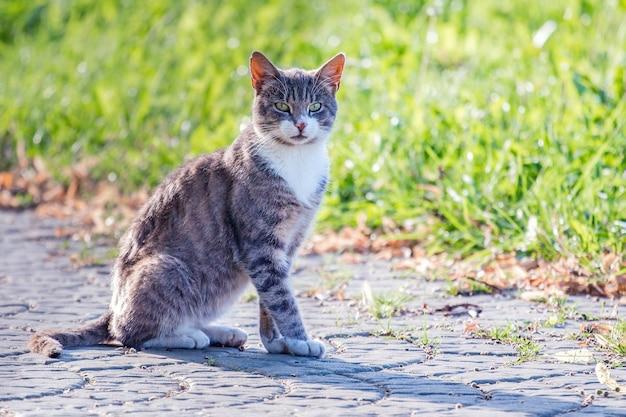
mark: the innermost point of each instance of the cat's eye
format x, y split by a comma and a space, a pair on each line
313, 107
282, 106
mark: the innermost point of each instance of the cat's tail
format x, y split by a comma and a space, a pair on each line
52, 342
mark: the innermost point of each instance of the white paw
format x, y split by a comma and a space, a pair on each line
276, 345
170, 342
237, 338
310, 347
181, 342
184, 339
226, 336
200, 339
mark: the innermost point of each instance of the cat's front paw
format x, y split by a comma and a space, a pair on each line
275, 345
310, 347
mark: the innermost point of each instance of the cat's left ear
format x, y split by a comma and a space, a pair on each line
331, 71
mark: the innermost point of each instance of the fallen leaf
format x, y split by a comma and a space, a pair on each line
595, 328
604, 376
588, 400
536, 296
459, 309
578, 356
6, 180
352, 258
471, 326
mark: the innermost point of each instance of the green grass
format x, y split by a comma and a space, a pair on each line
420, 338
526, 348
555, 319
249, 297
333, 280
388, 304
611, 341
561, 311
615, 341
454, 114
466, 287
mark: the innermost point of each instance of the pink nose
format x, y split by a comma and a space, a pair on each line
300, 126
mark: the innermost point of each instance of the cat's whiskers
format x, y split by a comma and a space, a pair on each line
263, 140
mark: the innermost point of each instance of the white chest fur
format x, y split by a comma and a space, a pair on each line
303, 167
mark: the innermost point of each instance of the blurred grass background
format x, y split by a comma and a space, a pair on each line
485, 124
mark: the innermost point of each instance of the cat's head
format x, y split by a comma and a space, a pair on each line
294, 106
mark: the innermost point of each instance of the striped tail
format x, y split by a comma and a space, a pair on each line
51, 342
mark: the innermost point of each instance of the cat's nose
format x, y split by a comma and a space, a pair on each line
300, 126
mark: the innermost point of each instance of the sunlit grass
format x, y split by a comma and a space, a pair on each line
526, 348
417, 337
389, 304
616, 339
496, 124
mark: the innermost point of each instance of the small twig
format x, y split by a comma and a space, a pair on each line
448, 309
492, 287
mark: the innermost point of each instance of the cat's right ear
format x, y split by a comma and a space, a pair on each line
261, 69
331, 71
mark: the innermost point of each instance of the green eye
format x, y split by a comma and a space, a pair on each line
282, 106
313, 107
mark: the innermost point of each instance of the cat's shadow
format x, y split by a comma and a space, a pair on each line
366, 384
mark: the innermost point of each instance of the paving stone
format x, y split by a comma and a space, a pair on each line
440, 372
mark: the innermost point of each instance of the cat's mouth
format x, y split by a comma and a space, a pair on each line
297, 140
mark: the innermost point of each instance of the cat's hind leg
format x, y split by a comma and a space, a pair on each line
225, 336
188, 338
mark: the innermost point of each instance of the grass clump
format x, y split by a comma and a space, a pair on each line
615, 340
466, 287
249, 296
509, 334
389, 304
561, 311
420, 337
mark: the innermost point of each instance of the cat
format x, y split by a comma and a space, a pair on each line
223, 220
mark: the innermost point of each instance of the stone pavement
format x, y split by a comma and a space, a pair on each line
443, 372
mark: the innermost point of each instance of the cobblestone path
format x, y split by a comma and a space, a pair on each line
412, 364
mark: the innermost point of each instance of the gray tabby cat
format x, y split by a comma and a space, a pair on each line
221, 221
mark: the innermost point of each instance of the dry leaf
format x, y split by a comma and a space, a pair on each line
595, 328
588, 400
604, 376
459, 309
352, 258
471, 326
534, 296
6, 180
578, 356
